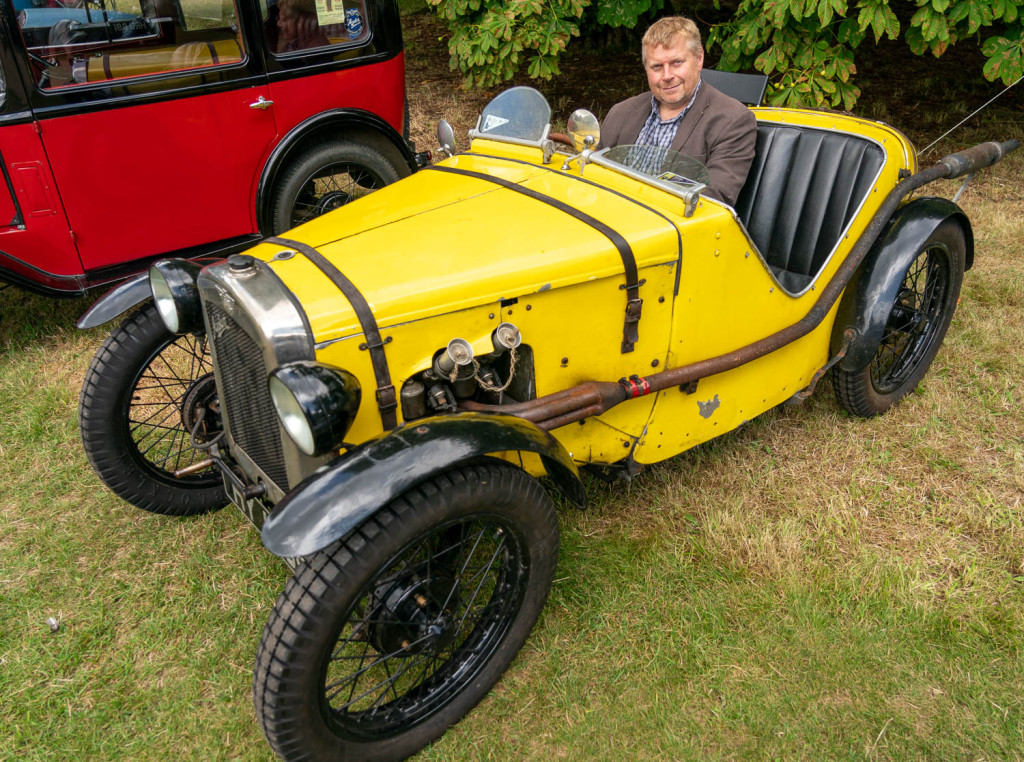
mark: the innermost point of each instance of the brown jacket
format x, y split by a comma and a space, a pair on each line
717, 131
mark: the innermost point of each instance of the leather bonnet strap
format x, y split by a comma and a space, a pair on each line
387, 401
634, 304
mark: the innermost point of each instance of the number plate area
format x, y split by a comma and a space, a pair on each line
253, 508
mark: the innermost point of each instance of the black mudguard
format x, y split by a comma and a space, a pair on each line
329, 504
318, 127
868, 300
117, 301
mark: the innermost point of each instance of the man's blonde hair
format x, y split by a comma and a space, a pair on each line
664, 32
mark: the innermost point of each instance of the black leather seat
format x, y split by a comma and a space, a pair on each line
804, 187
746, 88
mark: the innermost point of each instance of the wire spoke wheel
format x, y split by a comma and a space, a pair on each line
174, 392
914, 321
433, 615
147, 395
330, 175
332, 187
922, 307
386, 638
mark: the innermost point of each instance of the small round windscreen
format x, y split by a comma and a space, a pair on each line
520, 113
660, 163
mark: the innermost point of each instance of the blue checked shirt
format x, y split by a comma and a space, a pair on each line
656, 136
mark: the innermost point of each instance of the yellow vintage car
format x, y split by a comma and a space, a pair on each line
381, 389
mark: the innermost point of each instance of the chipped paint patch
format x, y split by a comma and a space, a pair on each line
707, 409
545, 287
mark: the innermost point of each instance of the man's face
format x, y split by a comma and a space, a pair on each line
673, 73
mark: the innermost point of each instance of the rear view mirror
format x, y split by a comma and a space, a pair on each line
584, 130
446, 137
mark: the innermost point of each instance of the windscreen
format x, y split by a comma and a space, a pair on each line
521, 113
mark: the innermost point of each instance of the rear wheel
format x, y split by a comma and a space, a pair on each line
145, 394
382, 641
918, 320
327, 177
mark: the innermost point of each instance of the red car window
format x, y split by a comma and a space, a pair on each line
72, 46
294, 25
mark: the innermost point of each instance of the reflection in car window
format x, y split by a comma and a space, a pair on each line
292, 25
91, 42
3, 88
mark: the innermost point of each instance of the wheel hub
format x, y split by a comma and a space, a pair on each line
416, 615
331, 201
200, 403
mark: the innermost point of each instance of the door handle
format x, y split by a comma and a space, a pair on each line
262, 104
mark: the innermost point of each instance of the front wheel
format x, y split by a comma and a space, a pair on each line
146, 394
382, 641
920, 315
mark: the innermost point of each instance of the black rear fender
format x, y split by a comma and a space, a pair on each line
868, 299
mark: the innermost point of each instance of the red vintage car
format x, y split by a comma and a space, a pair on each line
182, 128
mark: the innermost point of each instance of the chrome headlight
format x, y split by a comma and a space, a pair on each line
173, 283
316, 404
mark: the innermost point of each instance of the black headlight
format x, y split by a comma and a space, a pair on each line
173, 283
316, 403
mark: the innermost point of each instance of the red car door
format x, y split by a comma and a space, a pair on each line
35, 247
155, 123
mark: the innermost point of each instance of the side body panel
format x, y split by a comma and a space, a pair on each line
729, 299
155, 177
377, 88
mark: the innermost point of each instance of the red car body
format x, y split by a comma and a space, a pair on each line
118, 150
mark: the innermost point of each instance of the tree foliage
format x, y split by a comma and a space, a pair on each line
806, 46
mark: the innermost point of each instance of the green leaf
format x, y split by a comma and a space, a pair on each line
767, 61
1005, 59
892, 24
850, 33
848, 95
916, 41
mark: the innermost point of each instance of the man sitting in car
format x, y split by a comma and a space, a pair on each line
684, 114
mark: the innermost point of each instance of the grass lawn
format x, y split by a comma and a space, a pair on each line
809, 586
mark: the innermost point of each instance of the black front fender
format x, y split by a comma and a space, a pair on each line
329, 504
868, 300
117, 301
134, 291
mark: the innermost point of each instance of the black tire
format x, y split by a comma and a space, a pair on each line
140, 400
917, 324
328, 176
365, 658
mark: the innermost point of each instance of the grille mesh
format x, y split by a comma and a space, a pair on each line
245, 395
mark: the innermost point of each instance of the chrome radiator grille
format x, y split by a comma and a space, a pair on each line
245, 397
